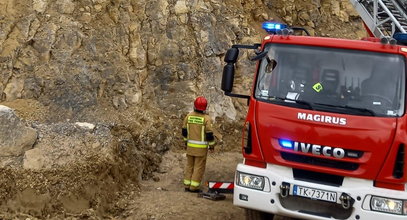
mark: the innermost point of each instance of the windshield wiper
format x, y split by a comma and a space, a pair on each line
293, 101
363, 110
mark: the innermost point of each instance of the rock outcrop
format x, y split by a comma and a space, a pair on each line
15, 136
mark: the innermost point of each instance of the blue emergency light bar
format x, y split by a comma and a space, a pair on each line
401, 38
272, 27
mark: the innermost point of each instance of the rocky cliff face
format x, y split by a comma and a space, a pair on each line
72, 56
132, 69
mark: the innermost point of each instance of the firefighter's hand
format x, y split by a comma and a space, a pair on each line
211, 149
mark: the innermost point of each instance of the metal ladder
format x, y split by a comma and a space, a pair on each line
383, 17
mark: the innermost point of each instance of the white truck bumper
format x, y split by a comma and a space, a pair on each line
270, 200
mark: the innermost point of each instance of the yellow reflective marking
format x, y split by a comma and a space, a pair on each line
317, 87
197, 145
195, 120
187, 182
195, 184
203, 133
187, 131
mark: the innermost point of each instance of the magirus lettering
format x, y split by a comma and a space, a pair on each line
322, 118
319, 150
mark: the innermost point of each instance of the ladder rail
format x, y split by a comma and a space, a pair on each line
395, 21
369, 19
401, 9
375, 12
379, 26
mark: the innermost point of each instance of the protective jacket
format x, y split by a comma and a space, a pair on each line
197, 132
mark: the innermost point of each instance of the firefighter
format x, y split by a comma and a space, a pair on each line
198, 134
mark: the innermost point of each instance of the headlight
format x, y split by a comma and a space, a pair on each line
250, 181
387, 205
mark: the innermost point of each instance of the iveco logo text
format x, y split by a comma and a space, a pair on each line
319, 150
322, 118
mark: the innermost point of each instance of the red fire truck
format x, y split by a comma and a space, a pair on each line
326, 131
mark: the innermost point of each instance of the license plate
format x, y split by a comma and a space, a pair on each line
312, 193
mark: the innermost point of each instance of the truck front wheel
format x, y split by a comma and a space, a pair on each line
258, 215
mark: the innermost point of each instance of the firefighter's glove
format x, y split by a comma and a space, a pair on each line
211, 149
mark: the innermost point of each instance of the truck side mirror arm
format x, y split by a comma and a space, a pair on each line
229, 69
259, 56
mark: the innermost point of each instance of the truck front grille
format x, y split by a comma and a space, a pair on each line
319, 161
317, 177
314, 207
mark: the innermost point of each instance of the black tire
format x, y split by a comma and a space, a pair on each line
258, 215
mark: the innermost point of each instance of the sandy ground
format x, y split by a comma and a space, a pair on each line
164, 197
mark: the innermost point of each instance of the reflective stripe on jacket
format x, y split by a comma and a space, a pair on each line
197, 144
198, 126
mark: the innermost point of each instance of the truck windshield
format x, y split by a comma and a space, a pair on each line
332, 80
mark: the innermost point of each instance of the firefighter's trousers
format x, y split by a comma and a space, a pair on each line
194, 171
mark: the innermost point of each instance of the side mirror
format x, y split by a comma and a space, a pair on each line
229, 70
228, 77
231, 55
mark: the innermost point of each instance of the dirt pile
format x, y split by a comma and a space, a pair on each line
75, 168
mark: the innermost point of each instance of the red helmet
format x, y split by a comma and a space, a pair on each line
200, 103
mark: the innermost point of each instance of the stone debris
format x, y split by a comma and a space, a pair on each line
85, 125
